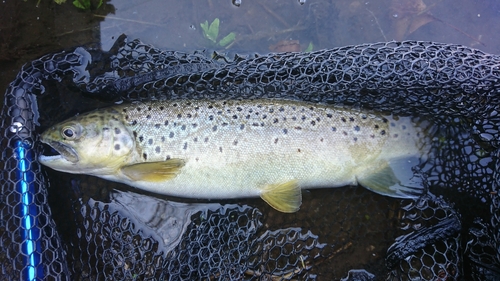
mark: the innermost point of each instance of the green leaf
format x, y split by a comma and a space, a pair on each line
310, 47
82, 4
213, 30
204, 26
59, 1
228, 39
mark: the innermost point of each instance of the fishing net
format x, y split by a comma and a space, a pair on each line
57, 226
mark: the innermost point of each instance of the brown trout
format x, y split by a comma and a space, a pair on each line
240, 148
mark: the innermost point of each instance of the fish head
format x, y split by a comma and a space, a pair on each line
92, 143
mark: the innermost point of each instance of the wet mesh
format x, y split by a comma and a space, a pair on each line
66, 227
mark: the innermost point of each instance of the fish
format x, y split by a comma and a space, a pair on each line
222, 149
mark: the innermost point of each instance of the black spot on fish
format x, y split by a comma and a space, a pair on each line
149, 108
298, 128
250, 110
117, 147
239, 108
281, 109
376, 127
189, 115
294, 118
224, 124
195, 139
344, 132
298, 150
275, 140
210, 117
384, 120
194, 125
185, 146
382, 132
351, 119
126, 117
363, 116
343, 119
372, 136
141, 138
395, 135
157, 126
318, 119
179, 115
197, 108
321, 140
235, 142
163, 139
313, 122
135, 134
210, 106
214, 128
220, 149
275, 120
183, 127
235, 116
248, 116
150, 141
168, 157
206, 139
105, 129
171, 135
303, 117
157, 149
403, 127
264, 116
393, 124
355, 139
114, 118
311, 108
357, 128
197, 159
255, 124
134, 122
138, 109
162, 108
285, 131
219, 112
271, 110
124, 110
166, 123
334, 129
145, 156
242, 126
329, 115
174, 104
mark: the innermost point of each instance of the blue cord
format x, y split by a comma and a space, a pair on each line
30, 233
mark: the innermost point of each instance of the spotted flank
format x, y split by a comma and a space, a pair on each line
242, 148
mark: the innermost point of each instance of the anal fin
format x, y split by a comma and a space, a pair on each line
382, 179
285, 197
153, 171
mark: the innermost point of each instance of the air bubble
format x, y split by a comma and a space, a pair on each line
237, 3
302, 2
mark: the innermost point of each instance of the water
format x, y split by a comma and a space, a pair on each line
29, 32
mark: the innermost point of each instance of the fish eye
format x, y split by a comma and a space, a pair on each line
69, 133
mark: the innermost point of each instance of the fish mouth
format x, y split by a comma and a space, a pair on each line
58, 152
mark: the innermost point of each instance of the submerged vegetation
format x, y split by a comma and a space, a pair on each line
211, 32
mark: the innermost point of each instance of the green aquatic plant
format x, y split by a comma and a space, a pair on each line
211, 32
86, 4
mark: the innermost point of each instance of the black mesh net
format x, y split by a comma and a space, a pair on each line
58, 226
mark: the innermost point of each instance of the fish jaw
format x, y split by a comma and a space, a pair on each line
66, 158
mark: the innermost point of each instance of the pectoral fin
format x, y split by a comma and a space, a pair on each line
383, 180
153, 171
285, 197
